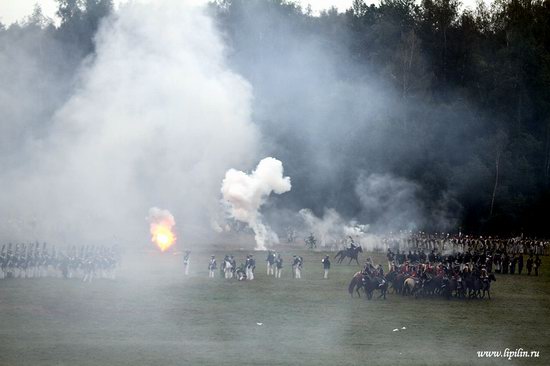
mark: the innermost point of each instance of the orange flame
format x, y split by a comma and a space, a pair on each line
162, 236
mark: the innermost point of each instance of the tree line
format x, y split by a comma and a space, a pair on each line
455, 101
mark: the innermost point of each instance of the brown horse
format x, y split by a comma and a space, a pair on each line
356, 284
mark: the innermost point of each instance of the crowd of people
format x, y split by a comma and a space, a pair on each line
36, 261
463, 243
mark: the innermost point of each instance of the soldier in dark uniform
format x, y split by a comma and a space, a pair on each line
233, 263
537, 264
278, 266
520, 263
529, 264
513, 263
326, 266
505, 263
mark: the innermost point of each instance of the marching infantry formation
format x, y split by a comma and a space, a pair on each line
35, 261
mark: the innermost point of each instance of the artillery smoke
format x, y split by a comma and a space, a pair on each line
157, 118
332, 229
244, 195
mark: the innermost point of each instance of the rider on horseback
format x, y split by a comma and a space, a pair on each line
352, 245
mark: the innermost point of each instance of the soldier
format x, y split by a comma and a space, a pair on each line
513, 263
537, 264
186, 262
529, 264
228, 267
250, 267
278, 266
233, 263
326, 265
520, 263
297, 265
212, 265
241, 272
3, 262
270, 262
390, 257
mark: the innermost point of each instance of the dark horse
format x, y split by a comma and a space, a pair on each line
369, 284
486, 285
349, 252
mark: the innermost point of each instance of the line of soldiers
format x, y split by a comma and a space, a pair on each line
245, 271
459, 242
502, 262
34, 261
229, 268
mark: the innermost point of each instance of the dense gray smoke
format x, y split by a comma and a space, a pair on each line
341, 129
160, 112
331, 230
156, 119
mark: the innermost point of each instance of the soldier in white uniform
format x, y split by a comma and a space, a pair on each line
212, 265
186, 263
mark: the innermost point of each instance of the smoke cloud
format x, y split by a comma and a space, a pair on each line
245, 194
143, 127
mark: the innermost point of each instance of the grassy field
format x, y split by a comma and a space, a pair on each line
153, 315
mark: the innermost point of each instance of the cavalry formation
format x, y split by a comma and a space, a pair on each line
425, 279
35, 261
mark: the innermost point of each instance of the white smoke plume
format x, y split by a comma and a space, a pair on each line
245, 194
157, 118
160, 217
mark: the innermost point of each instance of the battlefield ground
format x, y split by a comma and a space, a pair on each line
153, 315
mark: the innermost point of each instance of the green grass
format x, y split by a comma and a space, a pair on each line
153, 315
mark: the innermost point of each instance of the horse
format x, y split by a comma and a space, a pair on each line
409, 286
473, 286
486, 285
446, 288
458, 287
349, 252
375, 283
356, 284
428, 286
360, 281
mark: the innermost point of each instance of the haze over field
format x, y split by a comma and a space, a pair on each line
377, 116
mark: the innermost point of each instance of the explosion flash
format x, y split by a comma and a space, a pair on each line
161, 223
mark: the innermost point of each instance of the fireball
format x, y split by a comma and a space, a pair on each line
162, 236
161, 223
